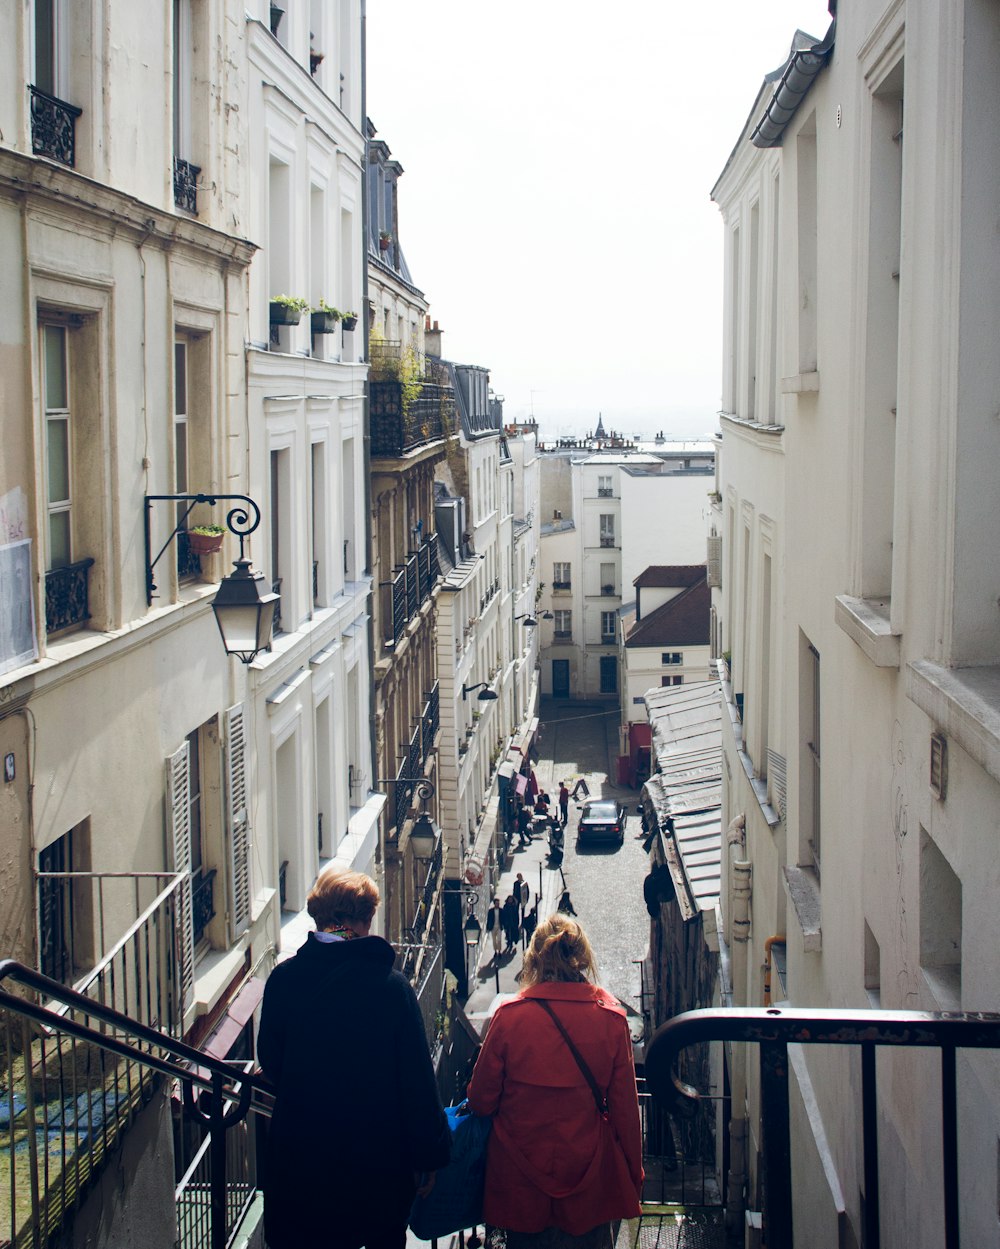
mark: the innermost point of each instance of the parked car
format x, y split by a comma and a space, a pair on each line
603, 819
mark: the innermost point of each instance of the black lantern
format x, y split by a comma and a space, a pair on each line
472, 930
245, 616
485, 694
423, 836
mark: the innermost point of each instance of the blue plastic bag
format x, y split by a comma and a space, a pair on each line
456, 1200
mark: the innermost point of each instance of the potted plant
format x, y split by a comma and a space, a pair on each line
325, 318
205, 539
350, 320
287, 309
384, 239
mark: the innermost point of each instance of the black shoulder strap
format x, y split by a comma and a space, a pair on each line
600, 1099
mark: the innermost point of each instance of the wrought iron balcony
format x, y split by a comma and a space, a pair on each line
409, 587
430, 719
607, 539
66, 596
605, 492
412, 586
399, 425
561, 585
53, 127
186, 185
202, 903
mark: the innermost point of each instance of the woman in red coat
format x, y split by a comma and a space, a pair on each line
557, 1172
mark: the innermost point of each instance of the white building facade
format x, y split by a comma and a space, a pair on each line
862, 638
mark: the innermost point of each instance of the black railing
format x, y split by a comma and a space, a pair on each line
188, 563
400, 423
71, 1091
283, 883
315, 583
202, 903
414, 753
607, 539
66, 596
413, 595
409, 587
773, 1030
429, 720
605, 492
402, 792
562, 585
53, 127
276, 626
186, 185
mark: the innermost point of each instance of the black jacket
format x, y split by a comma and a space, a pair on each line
357, 1109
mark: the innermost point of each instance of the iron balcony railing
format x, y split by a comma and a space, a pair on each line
607, 539
605, 492
412, 586
53, 127
773, 1029
67, 596
409, 587
401, 421
401, 795
202, 903
186, 185
77, 1072
276, 625
430, 718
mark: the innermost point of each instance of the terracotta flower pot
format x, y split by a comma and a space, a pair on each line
205, 543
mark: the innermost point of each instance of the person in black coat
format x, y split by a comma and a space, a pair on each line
510, 917
357, 1116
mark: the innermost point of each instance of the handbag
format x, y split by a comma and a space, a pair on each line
456, 1200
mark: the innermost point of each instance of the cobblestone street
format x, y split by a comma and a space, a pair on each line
605, 881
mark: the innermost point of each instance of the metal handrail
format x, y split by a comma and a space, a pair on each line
774, 1029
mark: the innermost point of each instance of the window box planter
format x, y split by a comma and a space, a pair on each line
324, 322
350, 321
282, 313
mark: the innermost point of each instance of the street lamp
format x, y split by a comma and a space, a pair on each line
472, 929
486, 694
244, 615
423, 834
529, 620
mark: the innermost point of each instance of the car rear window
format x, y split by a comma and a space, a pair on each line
601, 811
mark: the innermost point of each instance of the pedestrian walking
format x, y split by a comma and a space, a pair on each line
563, 803
565, 1154
522, 893
494, 926
524, 826
530, 922
338, 1005
511, 919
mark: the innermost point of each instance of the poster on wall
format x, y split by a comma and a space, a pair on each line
17, 607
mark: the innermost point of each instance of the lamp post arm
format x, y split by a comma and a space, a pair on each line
240, 521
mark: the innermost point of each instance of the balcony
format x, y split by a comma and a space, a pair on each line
408, 589
430, 719
562, 635
605, 492
66, 596
53, 127
561, 587
607, 539
407, 411
186, 185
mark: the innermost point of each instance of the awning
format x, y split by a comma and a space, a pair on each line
686, 792
236, 1018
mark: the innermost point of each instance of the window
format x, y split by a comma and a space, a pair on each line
188, 564
280, 538
607, 529
65, 912
561, 579
940, 925
805, 155
609, 674
673, 680
607, 579
185, 173
66, 579
809, 752
53, 121
873, 970
604, 487
672, 657
608, 623
563, 625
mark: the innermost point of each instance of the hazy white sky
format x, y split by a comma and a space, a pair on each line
555, 209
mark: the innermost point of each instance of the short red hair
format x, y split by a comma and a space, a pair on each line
342, 898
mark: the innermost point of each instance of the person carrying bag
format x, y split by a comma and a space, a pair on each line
564, 1159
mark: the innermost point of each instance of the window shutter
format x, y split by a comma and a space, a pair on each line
179, 857
239, 828
715, 561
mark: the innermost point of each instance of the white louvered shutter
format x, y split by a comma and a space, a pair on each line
179, 856
238, 824
714, 560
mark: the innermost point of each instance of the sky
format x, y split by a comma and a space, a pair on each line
555, 206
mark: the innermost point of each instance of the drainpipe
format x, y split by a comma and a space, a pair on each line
740, 892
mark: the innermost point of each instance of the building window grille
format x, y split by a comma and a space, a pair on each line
53, 127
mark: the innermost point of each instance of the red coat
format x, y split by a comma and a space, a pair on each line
552, 1160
